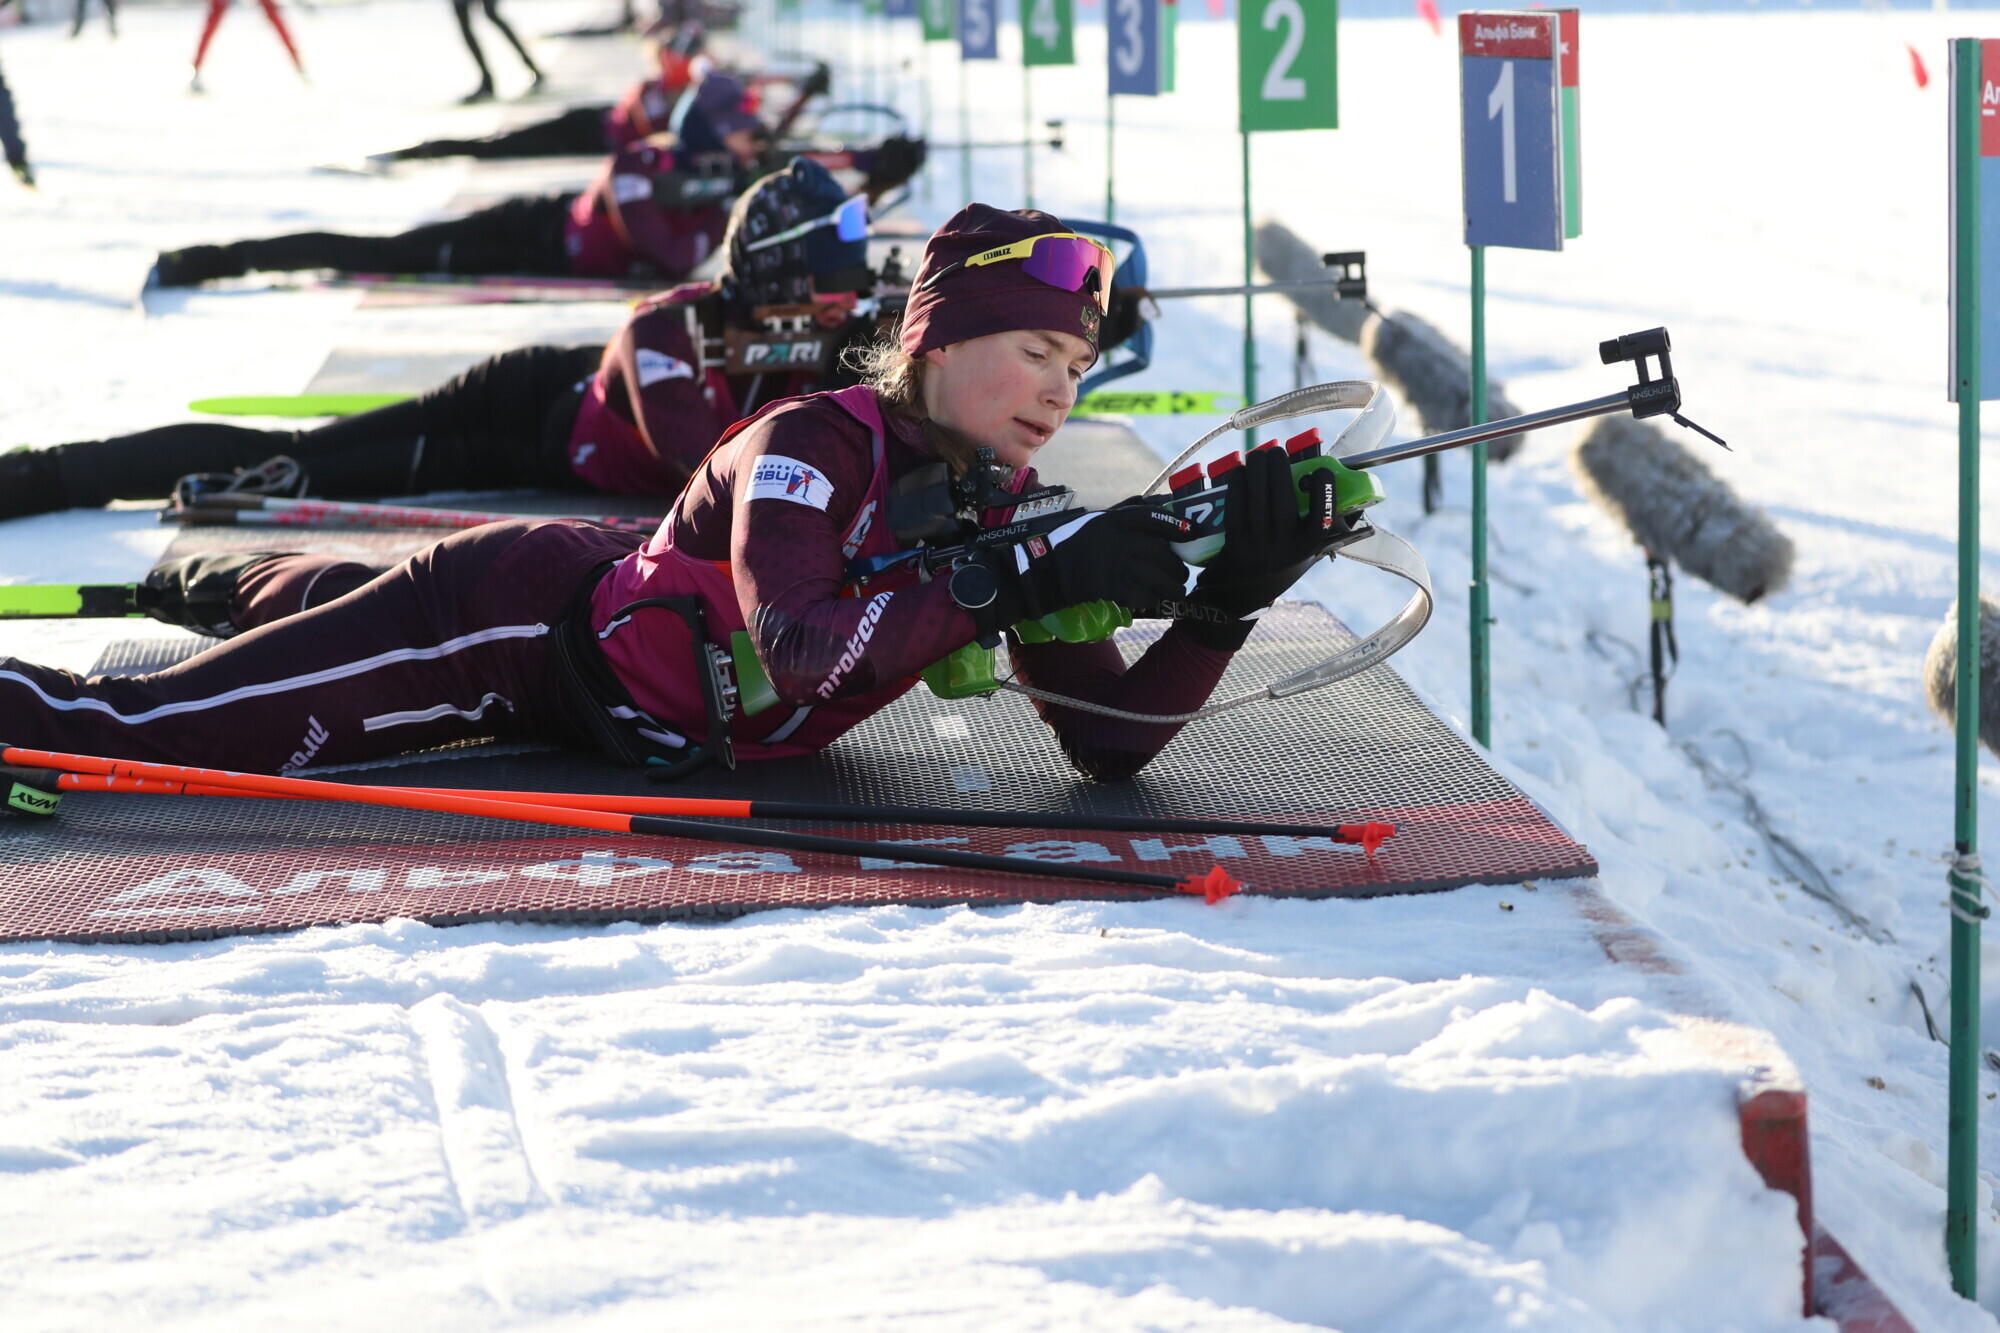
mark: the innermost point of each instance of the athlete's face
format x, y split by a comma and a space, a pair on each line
1008, 391
742, 143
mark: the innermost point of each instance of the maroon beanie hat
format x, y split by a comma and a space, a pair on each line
993, 298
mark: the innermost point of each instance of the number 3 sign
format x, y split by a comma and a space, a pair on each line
1509, 122
1286, 53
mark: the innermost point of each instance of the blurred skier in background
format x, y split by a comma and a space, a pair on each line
484, 92
10, 137
216, 9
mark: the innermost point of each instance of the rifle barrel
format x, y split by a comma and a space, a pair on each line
1492, 430
1246, 289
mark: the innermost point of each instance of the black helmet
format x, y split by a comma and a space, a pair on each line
787, 273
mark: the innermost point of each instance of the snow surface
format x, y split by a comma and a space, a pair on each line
1395, 1115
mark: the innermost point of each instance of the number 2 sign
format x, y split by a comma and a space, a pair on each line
1287, 57
1510, 129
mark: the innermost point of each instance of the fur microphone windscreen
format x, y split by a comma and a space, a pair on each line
1430, 372
1676, 508
1286, 258
1941, 671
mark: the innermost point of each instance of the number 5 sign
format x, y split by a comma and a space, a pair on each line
978, 34
1286, 56
1510, 128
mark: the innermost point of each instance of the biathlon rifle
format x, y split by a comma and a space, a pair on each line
1197, 495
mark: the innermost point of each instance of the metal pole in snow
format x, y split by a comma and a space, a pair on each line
1482, 674
1961, 1235
1249, 301
1110, 155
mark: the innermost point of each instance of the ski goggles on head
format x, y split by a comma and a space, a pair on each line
849, 221
1062, 259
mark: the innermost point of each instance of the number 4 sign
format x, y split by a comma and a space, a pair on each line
1286, 53
1510, 127
1045, 33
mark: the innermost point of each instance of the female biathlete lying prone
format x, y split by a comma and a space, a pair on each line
556, 630
636, 417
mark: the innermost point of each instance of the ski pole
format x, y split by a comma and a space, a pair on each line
1215, 884
228, 508
1369, 836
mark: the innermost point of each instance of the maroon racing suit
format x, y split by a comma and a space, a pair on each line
621, 227
462, 639
762, 536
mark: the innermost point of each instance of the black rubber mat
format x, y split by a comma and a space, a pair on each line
146, 867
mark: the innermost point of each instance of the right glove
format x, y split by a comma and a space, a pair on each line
1121, 555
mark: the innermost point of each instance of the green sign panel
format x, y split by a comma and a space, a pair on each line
939, 20
1572, 123
1046, 32
1286, 64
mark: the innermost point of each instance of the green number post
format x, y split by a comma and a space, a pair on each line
1287, 78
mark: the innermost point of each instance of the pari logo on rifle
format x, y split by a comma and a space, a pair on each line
750, 352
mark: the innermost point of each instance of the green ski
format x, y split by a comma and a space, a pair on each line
1158, 402
297, 405
68, 601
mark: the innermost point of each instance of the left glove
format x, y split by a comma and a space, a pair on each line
1267, 545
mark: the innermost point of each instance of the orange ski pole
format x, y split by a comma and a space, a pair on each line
1214, 885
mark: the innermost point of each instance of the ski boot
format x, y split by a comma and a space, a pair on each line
198, 592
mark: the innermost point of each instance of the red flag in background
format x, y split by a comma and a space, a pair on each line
1427, 10
1923, 75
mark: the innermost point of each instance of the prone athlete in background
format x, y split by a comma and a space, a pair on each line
570, 632
657, 209
584, 130
636, 417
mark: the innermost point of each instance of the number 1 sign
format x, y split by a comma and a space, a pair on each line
1510, 128
1287, 64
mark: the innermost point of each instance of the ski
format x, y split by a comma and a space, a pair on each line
69, 601
1158, 402
297, 405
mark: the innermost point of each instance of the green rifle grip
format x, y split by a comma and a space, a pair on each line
966, 672
754, 692
1091, 622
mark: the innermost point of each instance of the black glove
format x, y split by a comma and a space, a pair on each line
1266, 547
1122, 555
897, 160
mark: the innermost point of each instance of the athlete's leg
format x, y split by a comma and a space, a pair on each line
463, 10
492, 8
216, 9
284, 34
516, 236
506, 421
577, 132
453, 643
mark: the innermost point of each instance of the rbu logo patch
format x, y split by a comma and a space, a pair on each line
775, 477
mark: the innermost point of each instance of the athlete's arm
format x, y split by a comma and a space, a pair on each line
655, 365
797, 486
1175, 675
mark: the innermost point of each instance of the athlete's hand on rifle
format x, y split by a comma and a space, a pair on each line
1267, 546
1121, 555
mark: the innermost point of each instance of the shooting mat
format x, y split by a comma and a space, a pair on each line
137, 868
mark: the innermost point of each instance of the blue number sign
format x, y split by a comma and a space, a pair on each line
1510, 130
978, 33
1133, 35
